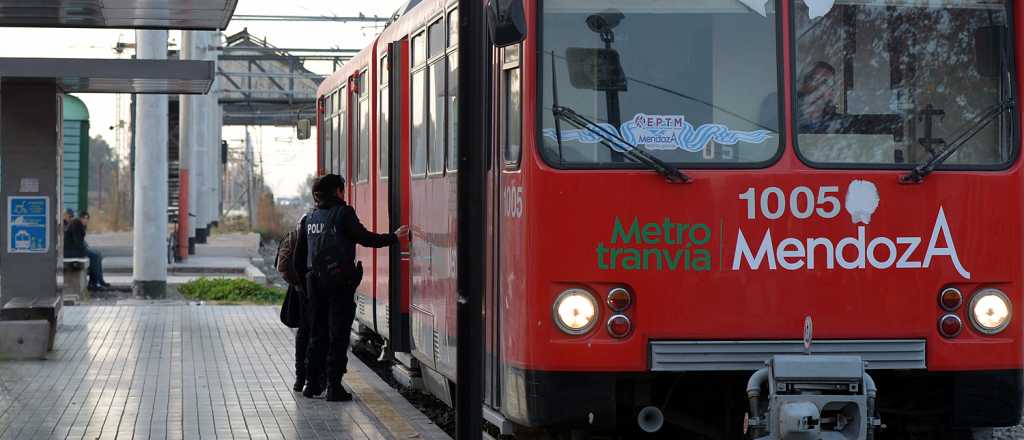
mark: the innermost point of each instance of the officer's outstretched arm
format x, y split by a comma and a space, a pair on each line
356, 232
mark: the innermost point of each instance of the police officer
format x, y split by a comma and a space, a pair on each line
327, 237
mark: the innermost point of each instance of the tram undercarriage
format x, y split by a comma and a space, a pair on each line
907, 405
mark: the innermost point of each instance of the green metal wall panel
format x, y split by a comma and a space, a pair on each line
76, 154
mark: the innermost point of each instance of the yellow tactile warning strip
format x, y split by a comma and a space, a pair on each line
380, 407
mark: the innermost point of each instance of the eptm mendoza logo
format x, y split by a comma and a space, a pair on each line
858, 250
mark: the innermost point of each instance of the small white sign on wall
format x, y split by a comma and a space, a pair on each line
29, 185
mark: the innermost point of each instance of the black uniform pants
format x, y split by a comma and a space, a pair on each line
332, 310
302, 333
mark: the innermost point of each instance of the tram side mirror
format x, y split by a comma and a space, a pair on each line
989, 47
506, 21
302, 130
595, 69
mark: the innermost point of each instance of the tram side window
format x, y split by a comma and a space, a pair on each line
453, 111
418, 135
383, 128
435, 98
453, 28
341, 150
363, 169
452, 98
419, 49
512, 105
321, 139
328, 131
436, 40
896, 82
384, 133
437, 125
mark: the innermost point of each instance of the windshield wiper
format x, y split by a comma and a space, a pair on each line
937, 157
629, 150
554, 98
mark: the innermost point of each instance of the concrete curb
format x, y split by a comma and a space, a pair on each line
253, 273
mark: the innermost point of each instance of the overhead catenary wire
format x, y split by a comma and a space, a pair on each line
336, 19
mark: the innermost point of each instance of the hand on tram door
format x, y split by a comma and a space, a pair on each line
402, 232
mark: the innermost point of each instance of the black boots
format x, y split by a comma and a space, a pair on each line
313, 389
337, 393
315, 385
300, 381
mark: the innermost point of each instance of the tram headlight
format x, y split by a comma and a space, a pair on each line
990, 311
575, 311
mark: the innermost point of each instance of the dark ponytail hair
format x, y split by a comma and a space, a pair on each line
326, 188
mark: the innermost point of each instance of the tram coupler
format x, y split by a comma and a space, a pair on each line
812, 397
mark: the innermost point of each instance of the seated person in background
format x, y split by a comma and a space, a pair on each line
816, 99
76, 247
69, 214
74, 236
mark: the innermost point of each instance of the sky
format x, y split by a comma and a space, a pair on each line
287, 161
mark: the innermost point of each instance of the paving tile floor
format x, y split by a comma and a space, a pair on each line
172, 371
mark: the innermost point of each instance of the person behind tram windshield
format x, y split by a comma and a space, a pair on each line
327, 238
816, 98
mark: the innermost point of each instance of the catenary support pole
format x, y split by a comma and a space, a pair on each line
474, 57
250, 190
149, 244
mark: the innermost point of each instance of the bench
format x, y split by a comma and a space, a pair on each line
76, 279
21, 308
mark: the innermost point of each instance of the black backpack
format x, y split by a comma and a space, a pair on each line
330, 249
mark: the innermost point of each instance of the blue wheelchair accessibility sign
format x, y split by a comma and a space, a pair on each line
28, 225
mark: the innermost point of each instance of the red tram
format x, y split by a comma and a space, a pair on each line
680, 191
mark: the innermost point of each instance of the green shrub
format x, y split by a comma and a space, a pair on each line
230, 291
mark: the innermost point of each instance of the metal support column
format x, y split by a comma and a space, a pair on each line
187, 115
202, 127
215, 121
149, 244
474, 60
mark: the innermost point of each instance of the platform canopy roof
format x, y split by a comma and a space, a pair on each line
81, 75
134, 14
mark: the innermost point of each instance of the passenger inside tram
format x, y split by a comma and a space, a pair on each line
816, 98
911, 78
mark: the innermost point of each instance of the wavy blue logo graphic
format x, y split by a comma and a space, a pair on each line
664, 132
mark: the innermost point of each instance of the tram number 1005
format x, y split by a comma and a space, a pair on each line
512, 201
803, 203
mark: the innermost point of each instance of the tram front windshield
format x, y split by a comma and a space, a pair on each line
891, 83
695, 83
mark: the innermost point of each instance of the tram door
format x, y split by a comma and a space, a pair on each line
505, 209
392, 177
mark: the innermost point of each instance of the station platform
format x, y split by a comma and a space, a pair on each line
170, 370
